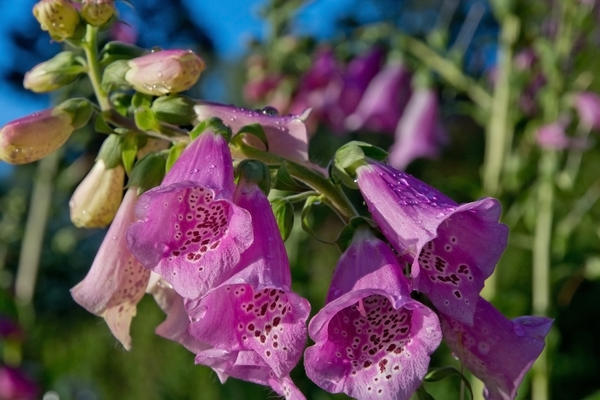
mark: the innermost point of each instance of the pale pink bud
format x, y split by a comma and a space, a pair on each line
97, 198
35, 136
166, 71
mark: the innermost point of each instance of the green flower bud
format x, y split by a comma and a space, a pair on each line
53, 74
97, 12
58, 17
178, 110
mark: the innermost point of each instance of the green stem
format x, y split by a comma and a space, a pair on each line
167, 132
566, 178
499, 129
90, 47
295, 198
541, 261
333, 195
447, 70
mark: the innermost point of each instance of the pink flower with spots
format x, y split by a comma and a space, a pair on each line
253, 327
372, 340
497, 350
116, 281
188, 229
453, 248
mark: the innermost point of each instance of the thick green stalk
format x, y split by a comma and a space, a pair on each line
541, 261
90, 47
447, 70
333, 195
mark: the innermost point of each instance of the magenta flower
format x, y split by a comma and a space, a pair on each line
15, 385
454, 247
372, 340
587, 105
356, 78
188, 229
418, 133
554, 137
286, 135
384, 100
255, 325
497, 350
116, 281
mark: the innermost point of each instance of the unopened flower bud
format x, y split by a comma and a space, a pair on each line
163, 72
53, 74
58, 17
97, 12
35, 136
97, 198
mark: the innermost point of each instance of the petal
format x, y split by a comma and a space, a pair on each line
265, 263
384, 100
286, 135
367, 264
455, 247
116, 281
206, 162
260, 334
497, 350
188, 237
418, 133
371, 345
175, 326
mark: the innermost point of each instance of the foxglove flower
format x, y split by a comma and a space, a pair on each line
454, 247
15, 385
188, 229
163, 72
587, 105
384, 100
372, 340
116, 281
418, 133
554, 137
286, 135
356, 78
254, 323
497, 350
97, 198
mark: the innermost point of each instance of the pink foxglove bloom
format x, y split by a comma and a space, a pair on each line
15, 385
188, 229
166, 71
33, 137
116, 281
454, 247
372, 340
554, 137
587, 105
495, 349
384, 100
418, 133
286, 135
359, 73
254, 323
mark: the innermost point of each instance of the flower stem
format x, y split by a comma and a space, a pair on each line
332, 194
447, 70
167, 132
90, 47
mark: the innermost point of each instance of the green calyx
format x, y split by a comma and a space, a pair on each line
350, 157
256, 172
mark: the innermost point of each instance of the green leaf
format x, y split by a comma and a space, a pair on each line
284, 215
174, 153
113, 51
284, 181
129, 148
351, 156
423, 395
114, 76
121, 102
110, 152
141, 100
149, 171
255, 130
437, 374
101, 126
145, 119
345, 237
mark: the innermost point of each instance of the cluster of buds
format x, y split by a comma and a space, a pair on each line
61, 18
